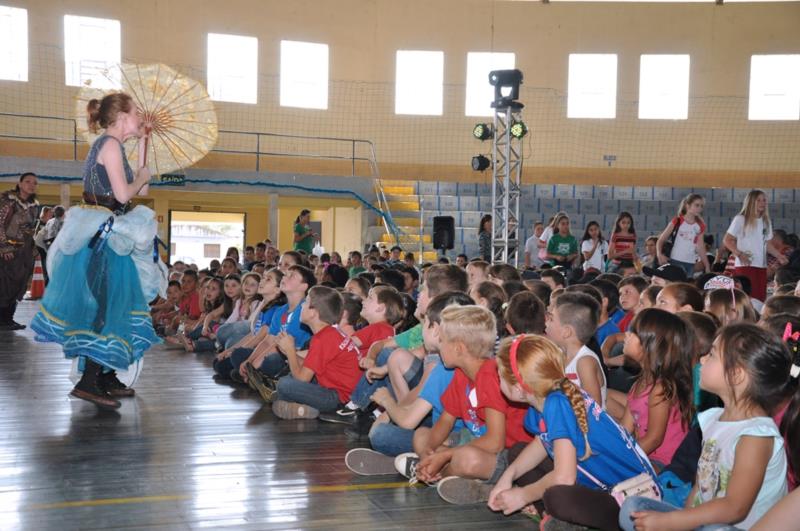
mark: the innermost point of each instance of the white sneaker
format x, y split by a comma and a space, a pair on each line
406, 464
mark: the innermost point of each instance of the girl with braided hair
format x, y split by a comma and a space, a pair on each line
579, 453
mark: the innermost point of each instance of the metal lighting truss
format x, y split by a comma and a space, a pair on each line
506, 175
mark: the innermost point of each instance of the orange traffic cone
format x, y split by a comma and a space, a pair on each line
37, 282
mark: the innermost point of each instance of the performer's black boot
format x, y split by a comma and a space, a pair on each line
89, 389
109, 382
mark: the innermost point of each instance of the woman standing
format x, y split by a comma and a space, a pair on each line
304, 237
18, 211
687, 243
103, 266
485, 238
749, 240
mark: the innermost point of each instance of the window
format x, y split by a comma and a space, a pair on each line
91, 46
664, 87
232, 68
774, 87
304, 75
211, 250
418, 82
13, 43
480, 94
592, 86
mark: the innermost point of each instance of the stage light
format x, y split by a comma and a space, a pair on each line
506, 87
483, 131
480, 163
518, 130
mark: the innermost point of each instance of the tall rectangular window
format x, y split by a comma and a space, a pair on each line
592, 85
304, 75
664, 87
13, 43
91, 48
480, 94
418, 83
232, 68
774, 87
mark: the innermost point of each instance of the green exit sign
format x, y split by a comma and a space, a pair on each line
173, 180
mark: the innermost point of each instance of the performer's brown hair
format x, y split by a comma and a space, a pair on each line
103, 113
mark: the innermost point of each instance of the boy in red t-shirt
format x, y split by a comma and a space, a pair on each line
492, 423
382, 309
330, 371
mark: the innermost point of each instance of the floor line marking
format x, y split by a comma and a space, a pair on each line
314, 489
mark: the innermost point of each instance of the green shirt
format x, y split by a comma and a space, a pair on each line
410, 339
354, 271
307, 242
562, 245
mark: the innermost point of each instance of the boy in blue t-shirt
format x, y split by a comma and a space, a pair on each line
266, 359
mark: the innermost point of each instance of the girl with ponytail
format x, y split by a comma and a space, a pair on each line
579, 453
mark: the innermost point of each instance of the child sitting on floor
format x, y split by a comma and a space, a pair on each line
326, 377
570, 326
741, 473
393, 432
579, 453
272, 299
491, 423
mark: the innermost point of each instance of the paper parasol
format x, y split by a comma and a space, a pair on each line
177, 109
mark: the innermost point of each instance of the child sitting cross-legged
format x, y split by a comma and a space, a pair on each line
382, 309
269, 288
393, 432
407, 361
326, 377
579, 453
465, 471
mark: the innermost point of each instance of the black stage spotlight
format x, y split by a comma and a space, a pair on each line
506, 87
483, 131
480, 163
518, 130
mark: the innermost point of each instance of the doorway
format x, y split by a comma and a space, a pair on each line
199, 237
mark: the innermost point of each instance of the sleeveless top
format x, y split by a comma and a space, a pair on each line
95, 176
571, 371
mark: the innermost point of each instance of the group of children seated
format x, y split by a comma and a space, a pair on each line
632, 402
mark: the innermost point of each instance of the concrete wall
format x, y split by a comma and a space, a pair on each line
717, 145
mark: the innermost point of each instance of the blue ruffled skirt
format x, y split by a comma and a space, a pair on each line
96, 304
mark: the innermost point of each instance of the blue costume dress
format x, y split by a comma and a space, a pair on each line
104, 271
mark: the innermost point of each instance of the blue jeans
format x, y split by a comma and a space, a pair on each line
686, 266
311, 394
638, 503
230, 334
237, 357
390, 439
364, 390
273, 364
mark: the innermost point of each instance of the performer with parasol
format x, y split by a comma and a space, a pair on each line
102, 271
104, 262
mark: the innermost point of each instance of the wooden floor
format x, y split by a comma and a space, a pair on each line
185, 453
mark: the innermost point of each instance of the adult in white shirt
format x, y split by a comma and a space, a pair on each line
749, 239
688, 247
532, 258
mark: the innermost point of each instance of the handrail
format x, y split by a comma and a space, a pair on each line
354, 143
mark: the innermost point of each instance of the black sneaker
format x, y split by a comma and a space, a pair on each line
361, 426
343, 415
109, 382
